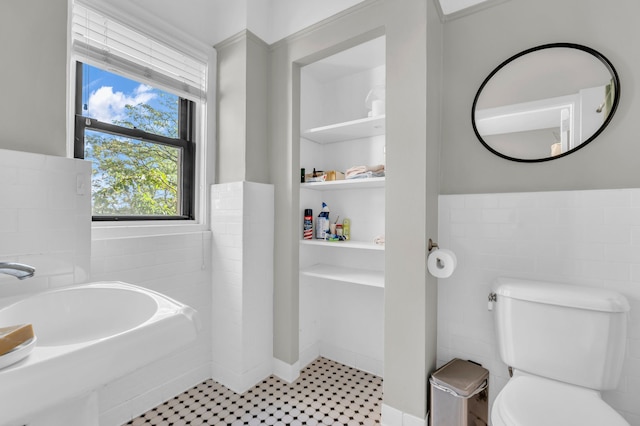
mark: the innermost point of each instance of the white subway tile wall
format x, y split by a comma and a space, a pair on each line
178, 265
242, 223
45, 219
326, 307
590, 238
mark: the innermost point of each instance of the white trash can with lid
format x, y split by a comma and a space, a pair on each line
459, 394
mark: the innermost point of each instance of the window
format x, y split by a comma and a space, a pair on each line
135, 119
139, 140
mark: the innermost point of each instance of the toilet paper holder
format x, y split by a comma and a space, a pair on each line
440, 262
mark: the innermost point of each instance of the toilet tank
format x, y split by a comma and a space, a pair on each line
575, 334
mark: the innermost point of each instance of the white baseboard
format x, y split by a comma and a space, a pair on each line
394, 417
352, 359
287, 372
309, 354
240, 383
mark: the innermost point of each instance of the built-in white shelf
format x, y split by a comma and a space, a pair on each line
361, 245
364, 183
349, 275
349, 130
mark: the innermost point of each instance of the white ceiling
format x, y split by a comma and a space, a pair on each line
363, 57
212, 21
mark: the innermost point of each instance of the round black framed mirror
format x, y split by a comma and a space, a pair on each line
545, 102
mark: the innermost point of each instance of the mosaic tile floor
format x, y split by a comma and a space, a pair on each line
326, 393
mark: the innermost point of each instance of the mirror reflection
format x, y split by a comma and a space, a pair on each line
545, 102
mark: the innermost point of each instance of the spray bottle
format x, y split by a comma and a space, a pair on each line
322, 224
307, 225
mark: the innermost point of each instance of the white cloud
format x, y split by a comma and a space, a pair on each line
107, 106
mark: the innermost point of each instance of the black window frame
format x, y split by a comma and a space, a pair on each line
185, 142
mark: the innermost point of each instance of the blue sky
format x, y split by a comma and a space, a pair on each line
106, 94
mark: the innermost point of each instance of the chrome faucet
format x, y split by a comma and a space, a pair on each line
18, 270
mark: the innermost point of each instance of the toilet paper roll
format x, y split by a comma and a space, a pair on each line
441, 263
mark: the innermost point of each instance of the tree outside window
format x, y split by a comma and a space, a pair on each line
138, 139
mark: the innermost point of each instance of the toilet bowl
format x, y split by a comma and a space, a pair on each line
534, 401
565, 343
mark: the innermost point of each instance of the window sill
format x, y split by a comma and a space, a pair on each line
110, 230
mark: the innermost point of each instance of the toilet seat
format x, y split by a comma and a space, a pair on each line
535, 401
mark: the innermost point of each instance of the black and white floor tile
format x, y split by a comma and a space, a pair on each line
326, 393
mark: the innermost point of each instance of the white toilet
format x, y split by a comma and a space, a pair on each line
564, 343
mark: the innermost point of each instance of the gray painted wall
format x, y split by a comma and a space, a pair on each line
412, 181
257, 87
413, 85
243, 65
475, 44
33, 112
231, 109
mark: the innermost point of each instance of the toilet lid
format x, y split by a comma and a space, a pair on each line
533, 401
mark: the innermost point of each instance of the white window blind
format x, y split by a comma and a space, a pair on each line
113, 45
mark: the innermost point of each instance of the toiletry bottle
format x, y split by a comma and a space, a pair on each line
307, 225
322, 224
346, 228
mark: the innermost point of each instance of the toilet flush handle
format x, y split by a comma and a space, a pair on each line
492, 298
